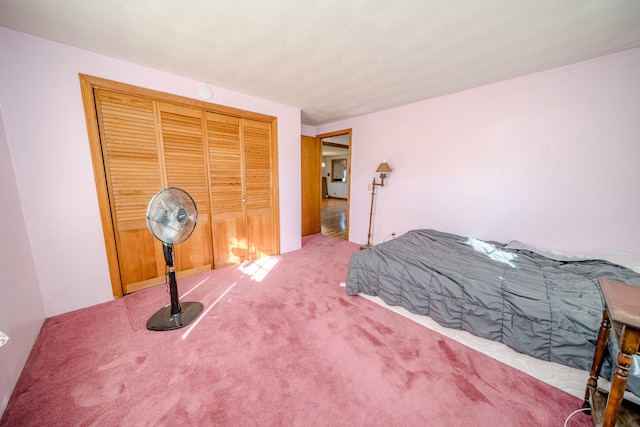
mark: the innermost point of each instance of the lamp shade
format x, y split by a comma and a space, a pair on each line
384, 167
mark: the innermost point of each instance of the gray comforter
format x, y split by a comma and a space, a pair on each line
547, 308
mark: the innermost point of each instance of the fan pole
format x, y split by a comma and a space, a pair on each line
176, 316
173, 284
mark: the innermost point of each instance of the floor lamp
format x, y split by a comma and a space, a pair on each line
383, 169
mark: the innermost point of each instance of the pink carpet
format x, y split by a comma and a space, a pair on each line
279, 343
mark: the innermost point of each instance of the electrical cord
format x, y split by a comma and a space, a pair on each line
573, 413
389, 237
166, 279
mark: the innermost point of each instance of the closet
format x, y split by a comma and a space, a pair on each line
143, 141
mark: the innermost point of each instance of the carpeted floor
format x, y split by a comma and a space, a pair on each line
279, 343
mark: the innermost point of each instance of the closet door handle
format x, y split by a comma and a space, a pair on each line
244, 200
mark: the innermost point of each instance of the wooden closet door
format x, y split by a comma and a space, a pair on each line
142, 141
183, 144
133, 172
259, 182
226, 173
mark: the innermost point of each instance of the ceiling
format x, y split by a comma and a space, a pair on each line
336, 59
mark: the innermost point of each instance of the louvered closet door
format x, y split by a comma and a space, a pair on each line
226, 185
133, 172
183, 144
258, 167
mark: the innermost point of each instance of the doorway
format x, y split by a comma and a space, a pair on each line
336, 178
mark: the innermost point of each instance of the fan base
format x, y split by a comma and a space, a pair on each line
162, 320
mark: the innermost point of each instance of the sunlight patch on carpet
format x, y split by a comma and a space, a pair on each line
194, 287
205, 312
259, 269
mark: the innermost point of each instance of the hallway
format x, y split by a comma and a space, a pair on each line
334, 217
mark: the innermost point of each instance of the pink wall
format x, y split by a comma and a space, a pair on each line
21, 310
47, 139
308, 130
550, 159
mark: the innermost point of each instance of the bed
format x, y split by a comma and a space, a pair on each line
546, 305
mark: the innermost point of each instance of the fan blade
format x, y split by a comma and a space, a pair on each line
161, 217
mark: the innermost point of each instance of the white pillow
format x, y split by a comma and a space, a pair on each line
625, 259
551, 253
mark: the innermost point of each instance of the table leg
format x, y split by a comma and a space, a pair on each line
598, 357
628, 347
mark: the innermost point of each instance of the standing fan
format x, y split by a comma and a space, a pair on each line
171, 218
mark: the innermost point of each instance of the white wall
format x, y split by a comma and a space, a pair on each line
47, 138
336, 189
21, 310
550, 159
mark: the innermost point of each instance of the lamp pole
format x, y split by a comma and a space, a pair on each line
373, 193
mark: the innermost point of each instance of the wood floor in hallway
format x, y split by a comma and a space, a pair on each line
334, 217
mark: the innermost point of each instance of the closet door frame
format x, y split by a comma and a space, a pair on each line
87, 85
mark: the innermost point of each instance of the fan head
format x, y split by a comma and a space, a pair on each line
172, 215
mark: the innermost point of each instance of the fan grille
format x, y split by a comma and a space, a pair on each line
172, 215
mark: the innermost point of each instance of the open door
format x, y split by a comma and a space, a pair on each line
318, 156
336, 162
311, 163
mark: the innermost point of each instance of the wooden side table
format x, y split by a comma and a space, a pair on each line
622, 309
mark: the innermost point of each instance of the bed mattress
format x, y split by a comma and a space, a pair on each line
547, 308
